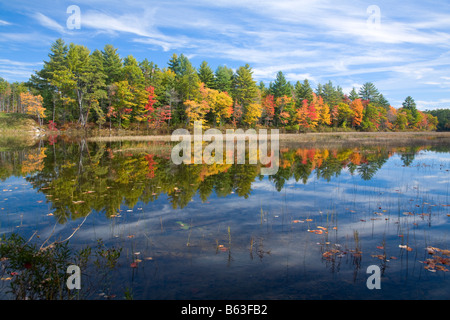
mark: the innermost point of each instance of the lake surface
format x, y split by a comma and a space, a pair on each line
226, 232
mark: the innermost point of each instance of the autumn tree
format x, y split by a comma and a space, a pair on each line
268, 109
33, 106
252, 114
122, 101
357, 110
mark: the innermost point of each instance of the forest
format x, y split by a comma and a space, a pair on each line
100, 89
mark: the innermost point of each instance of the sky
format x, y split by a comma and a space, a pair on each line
403, 47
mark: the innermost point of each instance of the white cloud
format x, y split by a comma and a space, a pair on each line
49, 23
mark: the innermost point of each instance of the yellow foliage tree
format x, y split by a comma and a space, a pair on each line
33, 105
252, 114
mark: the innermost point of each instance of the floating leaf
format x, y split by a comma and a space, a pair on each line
182, 225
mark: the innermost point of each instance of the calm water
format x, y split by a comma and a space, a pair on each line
226, 232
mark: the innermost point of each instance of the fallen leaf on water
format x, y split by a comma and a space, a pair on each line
380, 247
133, 265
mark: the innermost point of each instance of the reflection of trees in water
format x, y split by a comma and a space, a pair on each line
80, 177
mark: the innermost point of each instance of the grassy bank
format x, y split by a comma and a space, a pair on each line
17, 131
323, 138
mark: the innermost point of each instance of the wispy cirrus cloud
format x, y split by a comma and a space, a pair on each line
49, 23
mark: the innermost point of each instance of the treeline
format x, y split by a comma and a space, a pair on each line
443, 116
10, 96
100, 88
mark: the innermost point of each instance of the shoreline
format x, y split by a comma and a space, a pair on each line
320, 140
300, 137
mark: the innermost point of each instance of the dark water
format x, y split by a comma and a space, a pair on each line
227, 232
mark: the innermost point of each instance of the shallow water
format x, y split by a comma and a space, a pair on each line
227, 232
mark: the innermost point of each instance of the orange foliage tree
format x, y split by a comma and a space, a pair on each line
357, 108
33, 105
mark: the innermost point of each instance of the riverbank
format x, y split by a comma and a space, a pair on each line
18, 131
322, 138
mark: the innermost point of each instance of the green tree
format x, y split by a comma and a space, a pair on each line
42, 80
280, 87
206, 75
368, 91
112, 64
132, 72
382, 102
224, 79
331, 95
245, 90
303, 91
410, 105
353, 95
150, 71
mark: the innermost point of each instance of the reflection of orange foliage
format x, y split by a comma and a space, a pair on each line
151, 162
286, 164
355, 158
34, 161
302, 154
311, 154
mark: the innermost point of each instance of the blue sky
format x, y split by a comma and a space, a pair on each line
404, 52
